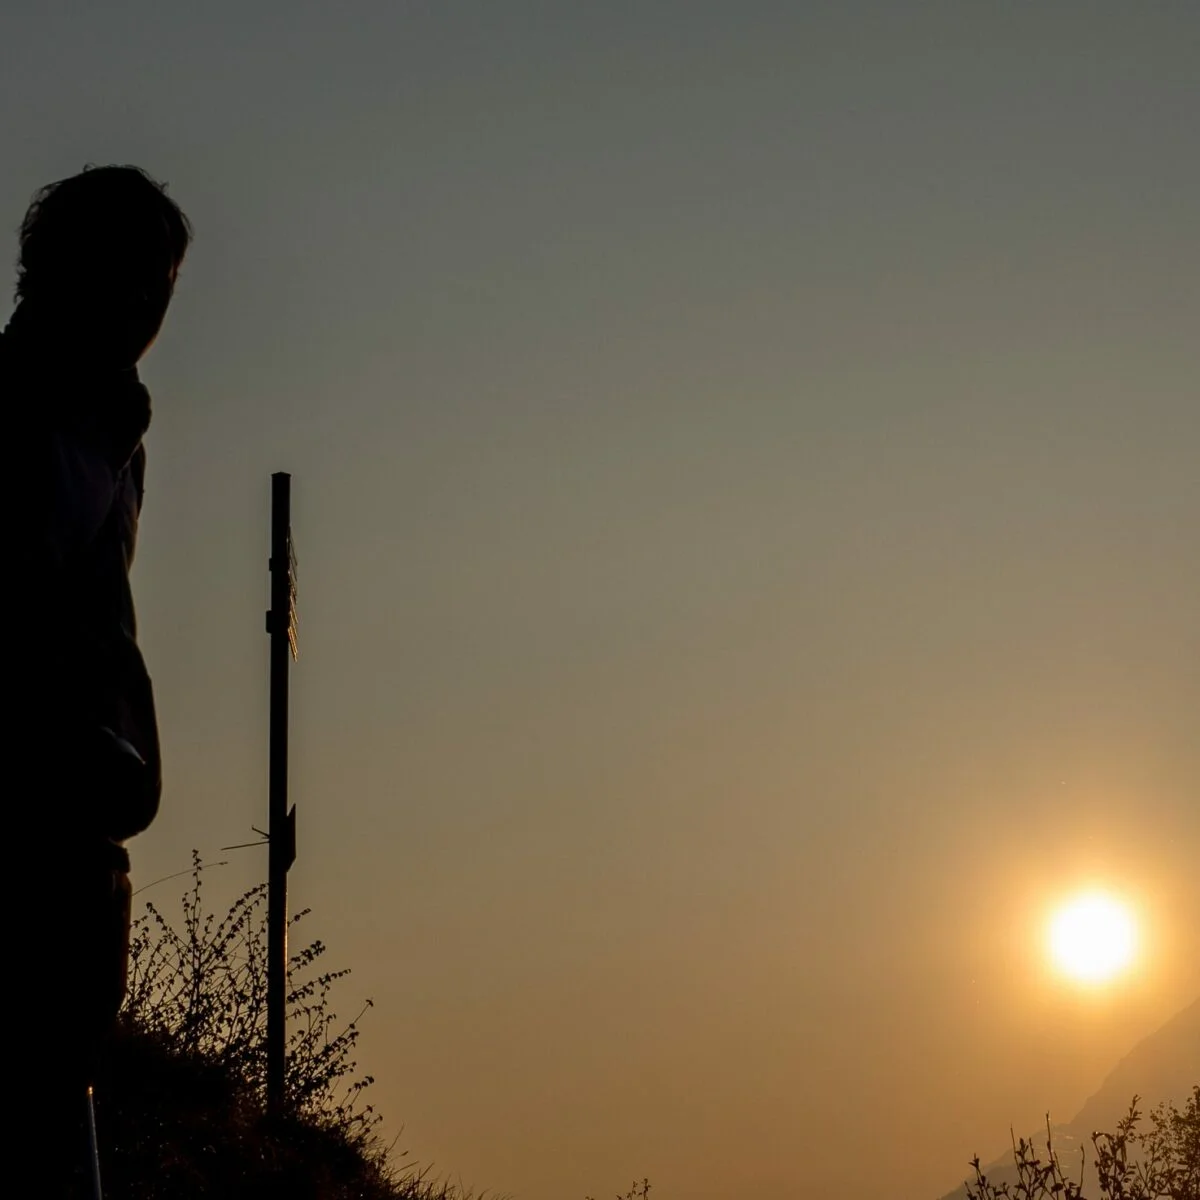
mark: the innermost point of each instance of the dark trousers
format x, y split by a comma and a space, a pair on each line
67, 970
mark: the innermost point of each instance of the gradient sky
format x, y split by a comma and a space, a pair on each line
746, 492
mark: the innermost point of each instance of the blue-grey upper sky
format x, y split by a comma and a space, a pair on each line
745, 488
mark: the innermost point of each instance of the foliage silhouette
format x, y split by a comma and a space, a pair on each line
202, 991
1161, 1162
182, 1096
637, 1191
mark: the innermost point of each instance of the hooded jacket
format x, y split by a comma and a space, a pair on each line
87, 735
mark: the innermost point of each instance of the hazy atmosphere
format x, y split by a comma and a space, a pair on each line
746, 497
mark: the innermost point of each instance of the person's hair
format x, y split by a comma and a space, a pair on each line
82, 220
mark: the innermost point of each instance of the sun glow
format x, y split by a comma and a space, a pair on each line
1092, 938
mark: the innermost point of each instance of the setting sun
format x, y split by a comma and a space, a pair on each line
1092, 938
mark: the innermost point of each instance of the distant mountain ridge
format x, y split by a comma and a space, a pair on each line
1164, 1066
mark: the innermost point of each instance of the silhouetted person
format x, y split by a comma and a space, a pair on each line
99, 254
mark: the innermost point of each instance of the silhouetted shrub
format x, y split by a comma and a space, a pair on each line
1132, 1163
181, 1094
637, 1191
202, 991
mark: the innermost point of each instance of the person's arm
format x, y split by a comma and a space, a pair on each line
85, 458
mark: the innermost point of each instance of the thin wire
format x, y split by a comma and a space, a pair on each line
262, 833
165, 878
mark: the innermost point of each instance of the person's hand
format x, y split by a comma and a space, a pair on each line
110, 783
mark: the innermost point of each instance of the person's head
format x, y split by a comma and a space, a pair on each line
99, 255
